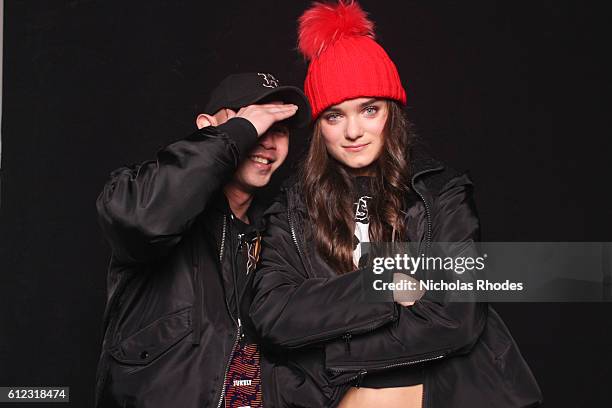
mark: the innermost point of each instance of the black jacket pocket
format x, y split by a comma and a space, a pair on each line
151, 341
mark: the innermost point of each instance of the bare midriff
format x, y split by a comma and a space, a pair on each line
396, 397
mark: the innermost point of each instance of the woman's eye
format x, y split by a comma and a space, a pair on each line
332, 117
370, 110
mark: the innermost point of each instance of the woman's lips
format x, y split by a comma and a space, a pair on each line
356, 147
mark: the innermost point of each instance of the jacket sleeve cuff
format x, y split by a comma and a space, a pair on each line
242, 133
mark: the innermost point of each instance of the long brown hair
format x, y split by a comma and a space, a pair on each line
329, 192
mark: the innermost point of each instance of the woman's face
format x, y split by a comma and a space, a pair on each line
353, 132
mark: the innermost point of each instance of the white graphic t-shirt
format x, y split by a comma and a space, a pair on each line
362, 217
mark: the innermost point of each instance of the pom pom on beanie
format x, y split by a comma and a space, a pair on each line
324, 24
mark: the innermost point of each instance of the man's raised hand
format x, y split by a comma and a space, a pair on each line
264, 116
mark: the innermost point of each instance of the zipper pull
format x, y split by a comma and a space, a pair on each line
360, 376
241, 334
347, 342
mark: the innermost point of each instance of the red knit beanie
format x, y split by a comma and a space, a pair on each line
345, 60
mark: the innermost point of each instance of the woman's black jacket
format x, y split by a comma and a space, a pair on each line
305, 313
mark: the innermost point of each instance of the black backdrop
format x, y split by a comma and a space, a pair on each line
512, 91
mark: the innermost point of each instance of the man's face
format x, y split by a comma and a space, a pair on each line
268, 154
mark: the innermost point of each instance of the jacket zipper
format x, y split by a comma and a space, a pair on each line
295, 241
385, 367
428, 234
238, 323
359, 377
427, 245
229, 360
221, 253
223, 232
428, 215
347, 342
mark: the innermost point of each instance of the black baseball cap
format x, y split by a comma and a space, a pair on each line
239, 90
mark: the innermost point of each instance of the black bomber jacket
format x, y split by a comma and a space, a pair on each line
305, 313
169, 327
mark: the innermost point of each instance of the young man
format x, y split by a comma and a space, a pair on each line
184, 232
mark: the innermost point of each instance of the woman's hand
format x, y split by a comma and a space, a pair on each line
406, 297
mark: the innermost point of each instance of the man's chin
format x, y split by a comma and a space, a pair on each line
257, 182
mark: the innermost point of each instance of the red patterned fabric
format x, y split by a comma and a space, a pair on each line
243, 382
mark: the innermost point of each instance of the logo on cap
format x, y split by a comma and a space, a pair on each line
269, 80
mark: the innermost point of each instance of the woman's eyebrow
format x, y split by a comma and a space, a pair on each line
334, 109
369, 102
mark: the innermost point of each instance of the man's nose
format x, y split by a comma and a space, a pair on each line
268, 141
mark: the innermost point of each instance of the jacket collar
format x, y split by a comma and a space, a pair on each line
255, 211
422, 162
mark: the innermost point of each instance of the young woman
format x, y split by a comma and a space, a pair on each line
363, 181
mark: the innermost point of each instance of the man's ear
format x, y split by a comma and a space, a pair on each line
203, 120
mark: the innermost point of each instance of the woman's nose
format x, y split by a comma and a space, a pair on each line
354, 129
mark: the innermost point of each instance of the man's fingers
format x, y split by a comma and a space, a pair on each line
281, 115
280, 108
263, 116
276, 105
